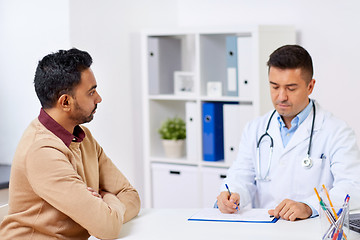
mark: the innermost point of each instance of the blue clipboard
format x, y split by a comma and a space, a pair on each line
254, 215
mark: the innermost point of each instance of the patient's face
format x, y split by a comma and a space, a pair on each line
85, 98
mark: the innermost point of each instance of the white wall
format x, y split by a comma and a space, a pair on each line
109, 30
28, 31
328, 29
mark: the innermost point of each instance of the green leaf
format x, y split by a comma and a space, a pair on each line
173, 128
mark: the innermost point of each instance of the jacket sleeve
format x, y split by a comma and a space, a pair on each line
114, 182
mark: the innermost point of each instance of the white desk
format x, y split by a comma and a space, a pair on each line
173, 224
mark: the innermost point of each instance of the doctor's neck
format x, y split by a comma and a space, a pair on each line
287, 121
288, 115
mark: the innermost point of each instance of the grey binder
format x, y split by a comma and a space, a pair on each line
164, 58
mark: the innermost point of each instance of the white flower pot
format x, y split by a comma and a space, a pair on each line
173, 148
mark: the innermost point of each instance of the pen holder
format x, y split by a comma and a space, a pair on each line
334, 221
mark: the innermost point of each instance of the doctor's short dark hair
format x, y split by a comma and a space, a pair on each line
59, 73
292, 57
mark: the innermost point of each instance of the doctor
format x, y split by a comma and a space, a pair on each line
284, 154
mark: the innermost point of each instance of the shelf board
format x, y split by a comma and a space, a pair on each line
182, 161
221, 164
224, 99
173, 97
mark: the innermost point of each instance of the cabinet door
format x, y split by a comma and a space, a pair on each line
211, 181
175, 186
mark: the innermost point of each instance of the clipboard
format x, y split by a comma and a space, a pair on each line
254, 215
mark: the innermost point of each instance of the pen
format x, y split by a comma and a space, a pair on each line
330, 217
340, 231
230, 195
327, 212
323, 206
228, 189
317, 194
331, 205
346, 201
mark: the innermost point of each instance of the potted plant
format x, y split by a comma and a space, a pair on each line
173, 134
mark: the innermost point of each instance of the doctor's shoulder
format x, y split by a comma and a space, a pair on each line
258, 124
336, 127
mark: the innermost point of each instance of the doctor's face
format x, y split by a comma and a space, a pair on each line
289, 91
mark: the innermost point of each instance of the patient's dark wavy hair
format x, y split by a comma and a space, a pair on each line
59, 73
292, 57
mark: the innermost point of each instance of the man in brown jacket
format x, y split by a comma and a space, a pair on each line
62, 185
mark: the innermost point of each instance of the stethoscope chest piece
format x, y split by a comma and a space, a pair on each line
307, 162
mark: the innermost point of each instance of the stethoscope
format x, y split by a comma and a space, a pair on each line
306, 162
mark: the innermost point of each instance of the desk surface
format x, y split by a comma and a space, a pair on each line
173, 224
4, 176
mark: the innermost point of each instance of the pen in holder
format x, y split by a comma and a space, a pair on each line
334, 219
332, 227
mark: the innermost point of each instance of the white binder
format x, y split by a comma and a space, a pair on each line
235, 118
245, 78
192, 125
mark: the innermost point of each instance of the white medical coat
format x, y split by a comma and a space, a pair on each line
339, 169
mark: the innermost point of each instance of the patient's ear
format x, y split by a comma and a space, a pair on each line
65, 102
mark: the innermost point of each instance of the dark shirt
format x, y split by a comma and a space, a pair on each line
77, 136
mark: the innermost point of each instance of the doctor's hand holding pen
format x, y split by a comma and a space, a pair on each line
228, 202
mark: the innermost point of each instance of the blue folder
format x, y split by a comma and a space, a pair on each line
254, 215
213, 131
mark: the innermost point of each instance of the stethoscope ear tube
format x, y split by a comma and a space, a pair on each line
266, 134
312, 131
